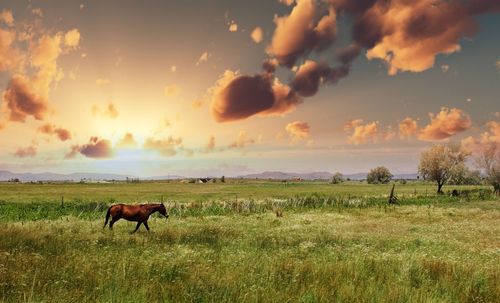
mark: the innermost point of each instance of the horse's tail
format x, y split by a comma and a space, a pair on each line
108, 213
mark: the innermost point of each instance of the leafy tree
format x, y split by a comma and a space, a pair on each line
489, 161
438, 163
462, 175
379, 175
337, 178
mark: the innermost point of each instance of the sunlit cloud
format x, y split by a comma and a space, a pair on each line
127, 142
298, 130
241, 141
25, 152
51, 129
445, 124
72, 38
96, 148
172, 90
165, 147
7, 17
257, 35
109, 111
203, 58
408, 128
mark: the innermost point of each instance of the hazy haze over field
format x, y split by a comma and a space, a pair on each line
179, 87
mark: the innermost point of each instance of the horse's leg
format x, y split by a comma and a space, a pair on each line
113, 220
146, 225
137, 226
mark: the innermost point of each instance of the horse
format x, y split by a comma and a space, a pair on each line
138, 213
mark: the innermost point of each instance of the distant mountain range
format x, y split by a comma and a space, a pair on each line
277, 175
274, 175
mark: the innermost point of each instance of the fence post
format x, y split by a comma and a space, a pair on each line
62, 201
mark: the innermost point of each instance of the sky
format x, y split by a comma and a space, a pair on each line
208, 88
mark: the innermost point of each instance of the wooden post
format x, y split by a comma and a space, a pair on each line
62, 201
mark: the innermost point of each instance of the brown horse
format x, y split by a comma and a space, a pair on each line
138, 213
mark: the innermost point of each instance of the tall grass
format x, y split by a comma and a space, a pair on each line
411, 253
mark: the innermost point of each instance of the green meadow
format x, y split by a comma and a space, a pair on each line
250, 241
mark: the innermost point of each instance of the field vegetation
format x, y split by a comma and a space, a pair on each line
248, 241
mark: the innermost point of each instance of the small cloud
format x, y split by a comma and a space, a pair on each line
37, 12
51, 129
445, 68
173, 69
298, 130
407, 128
362, 133
26, 152
127, 142
241, 141
7, 17
82, 6
257, 34
72, 38
445, 124
166, 147
96, 148
109, 111
172, 90
203, 58
469, 100
102, 81
233, 27
83, 55
210, 146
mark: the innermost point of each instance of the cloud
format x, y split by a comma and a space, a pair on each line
311, 74
257, 35
109, 111
25, 152
37, 12
7, 17
351, 124
237, 97
298, 130
303, 30
497, 64
165, 147
51, 129
10, 58
362, 133
407, 128
408, 35
72, 38
241, 141
233, 27
203, 58
445, 124
210, 146
491, 136
127, 142
21, 101
102, 81
445, 68
96, 148
173, 69
172, 90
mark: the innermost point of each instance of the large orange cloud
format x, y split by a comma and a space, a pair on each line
445, 124
362, 133
408, 35
490, 136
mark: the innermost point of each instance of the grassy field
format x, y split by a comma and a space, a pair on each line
333, 243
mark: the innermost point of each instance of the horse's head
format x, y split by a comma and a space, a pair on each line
163, 210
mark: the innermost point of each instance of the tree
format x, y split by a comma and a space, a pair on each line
462, 175
489, 161
337, 178
223, 179
379, 175
438, 163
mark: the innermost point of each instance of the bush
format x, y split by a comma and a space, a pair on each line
379, 175
337, 178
